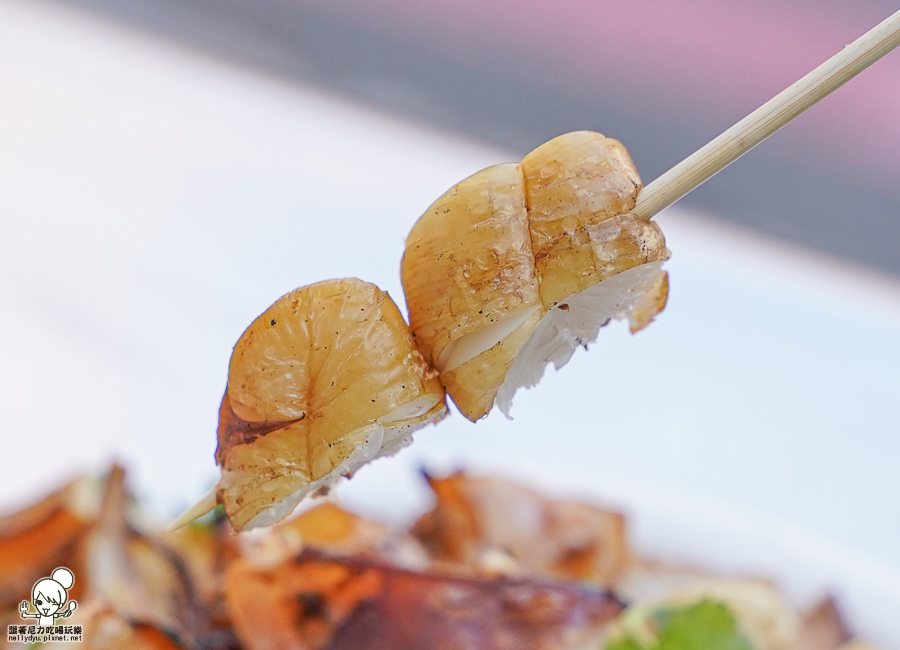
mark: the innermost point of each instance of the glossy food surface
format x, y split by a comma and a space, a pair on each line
509, 245
320, 375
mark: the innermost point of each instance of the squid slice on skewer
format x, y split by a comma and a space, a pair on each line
594, 255
325, 380
510, 270
519, 264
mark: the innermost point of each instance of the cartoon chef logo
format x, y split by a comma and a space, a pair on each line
49, 597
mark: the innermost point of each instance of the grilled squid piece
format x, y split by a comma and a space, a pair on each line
325, 380
519, 264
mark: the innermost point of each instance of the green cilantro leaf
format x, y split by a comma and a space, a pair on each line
706, 625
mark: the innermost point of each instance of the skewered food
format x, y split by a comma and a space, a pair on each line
512, 269
544, 235
325, 380
519, 264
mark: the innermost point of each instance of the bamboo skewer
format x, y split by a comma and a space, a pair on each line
708, 161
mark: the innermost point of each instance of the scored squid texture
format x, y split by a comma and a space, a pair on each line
512, 269
323, 381
519, 264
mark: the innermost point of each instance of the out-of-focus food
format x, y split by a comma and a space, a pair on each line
317, 601
702, 625
105, 629
764, 617
476, 521
325, 380
519, 264
822, 627
492, 566
135, 589
334, 530
144, 578
38, 539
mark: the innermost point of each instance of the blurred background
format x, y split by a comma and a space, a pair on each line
663, 77
168, 168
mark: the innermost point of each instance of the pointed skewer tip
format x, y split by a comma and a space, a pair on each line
202, 507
